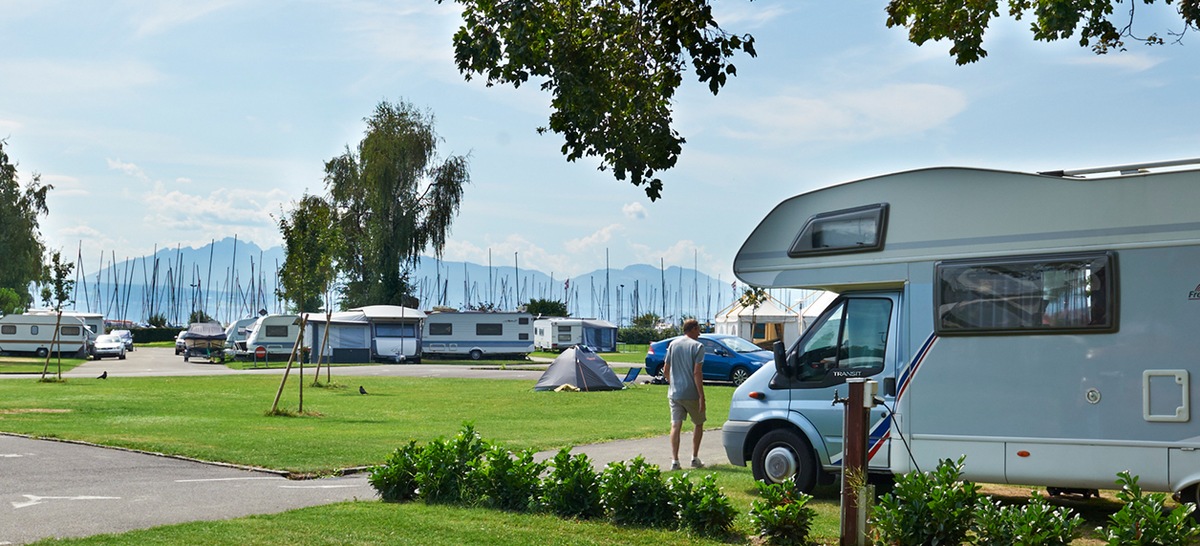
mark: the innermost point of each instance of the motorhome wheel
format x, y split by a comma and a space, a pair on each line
476, 354
781, 454
42, 352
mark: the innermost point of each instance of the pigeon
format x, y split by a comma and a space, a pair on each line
103, 375
361, 390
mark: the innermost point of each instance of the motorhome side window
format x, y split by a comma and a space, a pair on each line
1027, 295
71, 330
859, 229
441, 329
493, 329
397, 330
850, 342
8, 330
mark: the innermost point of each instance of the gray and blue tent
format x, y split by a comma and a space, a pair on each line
581, 368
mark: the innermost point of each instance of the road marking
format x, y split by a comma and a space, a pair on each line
229, 479
317, 486
10, 456
35, 500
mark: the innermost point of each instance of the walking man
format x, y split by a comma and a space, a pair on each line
684, 373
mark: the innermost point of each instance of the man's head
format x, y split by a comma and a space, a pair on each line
691, 328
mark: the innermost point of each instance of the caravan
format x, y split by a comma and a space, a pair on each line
275, 333
476, 335
235, 338
557, 334
94, 321
35, 334
1041, 325
388, 333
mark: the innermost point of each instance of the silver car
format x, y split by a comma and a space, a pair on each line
108, 345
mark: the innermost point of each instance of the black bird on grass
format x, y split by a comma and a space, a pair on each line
361, 390
103, 375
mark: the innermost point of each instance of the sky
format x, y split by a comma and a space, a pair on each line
165, 123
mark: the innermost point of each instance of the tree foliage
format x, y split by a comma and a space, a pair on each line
611, 67
547, 308
394, 199
311, 240
964, 22
21, 247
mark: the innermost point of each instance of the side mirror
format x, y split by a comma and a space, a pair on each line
781, 362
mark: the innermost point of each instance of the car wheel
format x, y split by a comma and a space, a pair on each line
42, 352
185, 357
739, 375
782, 454
121, 356
476, 354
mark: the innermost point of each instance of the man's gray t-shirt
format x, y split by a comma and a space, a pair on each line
683, 355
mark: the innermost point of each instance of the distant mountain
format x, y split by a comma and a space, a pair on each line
231, 278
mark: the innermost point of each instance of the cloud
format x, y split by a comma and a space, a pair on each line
1129, 62
594, 240
75, 77
64, 185
128, 169
8, 125
159, 17
738, 16
683, 253
634, 211
853, 116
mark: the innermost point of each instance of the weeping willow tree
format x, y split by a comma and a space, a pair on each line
395, 199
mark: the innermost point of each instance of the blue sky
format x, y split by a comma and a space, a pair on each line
165, 123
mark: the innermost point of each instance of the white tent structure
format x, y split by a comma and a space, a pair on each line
771, 321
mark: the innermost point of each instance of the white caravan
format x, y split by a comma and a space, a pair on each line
277, 333
35, 334
388, 333
395, 332
557, 334
476, 335
1041, 325
94, 321
235, 337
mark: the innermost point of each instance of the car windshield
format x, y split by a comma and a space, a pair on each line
108, 339
740, 345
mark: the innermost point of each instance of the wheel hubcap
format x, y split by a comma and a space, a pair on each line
780, 464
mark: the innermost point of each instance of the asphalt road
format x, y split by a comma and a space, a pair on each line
59, 489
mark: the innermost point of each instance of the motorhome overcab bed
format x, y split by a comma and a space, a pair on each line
1041, 325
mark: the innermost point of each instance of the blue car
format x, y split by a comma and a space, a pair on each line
726, 357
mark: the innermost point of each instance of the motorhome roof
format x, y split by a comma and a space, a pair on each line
946, 213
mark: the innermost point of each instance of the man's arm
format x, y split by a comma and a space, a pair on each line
666, 368
698, 376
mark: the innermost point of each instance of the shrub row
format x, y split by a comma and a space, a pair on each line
643, 335
939, 508
465, 470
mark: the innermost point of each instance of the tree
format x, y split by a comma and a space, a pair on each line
310, 238
753, 298
10, 301
547, 308
964, 21
56, 292
612, 68
393, 200
647, 320
20, 242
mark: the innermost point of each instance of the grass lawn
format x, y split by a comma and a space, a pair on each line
32, 364
222, 418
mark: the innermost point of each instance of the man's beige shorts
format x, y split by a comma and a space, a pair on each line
682, 408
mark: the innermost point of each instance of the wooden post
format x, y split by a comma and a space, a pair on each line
854, 460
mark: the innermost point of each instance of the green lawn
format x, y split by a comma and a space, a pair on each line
22, 364
222, 418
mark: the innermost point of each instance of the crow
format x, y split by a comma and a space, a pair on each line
103, 375
361, 390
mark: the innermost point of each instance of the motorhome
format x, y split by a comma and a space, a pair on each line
235, 337
35, 334
276, 333
1040, 325
476, 335
557, 334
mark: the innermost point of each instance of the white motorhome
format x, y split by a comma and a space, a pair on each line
476, 335
1041, 325
35, 334
277, 333
557, 334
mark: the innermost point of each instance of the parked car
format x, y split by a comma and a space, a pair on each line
180, 344
108, 345
726, 357
126, 336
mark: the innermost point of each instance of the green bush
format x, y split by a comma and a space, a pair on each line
396, 480
508, 481
445, 465
1035, 524
702, 508
1144, 520
572, 489
927, 508
782, 516
634, 493
642, 335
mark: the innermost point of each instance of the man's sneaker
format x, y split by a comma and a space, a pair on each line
697, 463
674, 465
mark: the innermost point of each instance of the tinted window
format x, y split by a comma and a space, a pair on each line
395, 329
489, 329
1072, 293
523, 320
858, 229
850, 341
71, 330
523, 337
33, 330
441, 329
276, 331
8, 329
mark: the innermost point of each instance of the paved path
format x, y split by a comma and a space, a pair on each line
60, 489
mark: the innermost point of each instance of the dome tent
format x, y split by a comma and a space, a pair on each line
581, 368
